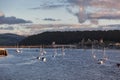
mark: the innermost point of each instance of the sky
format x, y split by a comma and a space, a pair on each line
28, 17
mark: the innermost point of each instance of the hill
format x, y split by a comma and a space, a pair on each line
10, 39
71, 37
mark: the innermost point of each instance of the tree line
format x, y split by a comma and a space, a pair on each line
71, 37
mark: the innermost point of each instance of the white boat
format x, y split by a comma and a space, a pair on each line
63, 51
93, 53
38, 57
44, 59
104, 59
18, 50
100, 60
55, 52
42, 55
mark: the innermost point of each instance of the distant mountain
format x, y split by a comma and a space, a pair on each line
71, 37
10, 39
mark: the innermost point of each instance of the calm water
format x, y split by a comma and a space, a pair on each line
77, 64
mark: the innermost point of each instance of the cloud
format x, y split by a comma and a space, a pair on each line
106, 3
81, 6
80, 13
39, 28
105, 15
1, 14
30, 29
20, 29
50, 19
11, 20
79, 2
49, 6
7, 28
86, 9
103, 9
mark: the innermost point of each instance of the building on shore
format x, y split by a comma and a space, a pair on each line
3, 52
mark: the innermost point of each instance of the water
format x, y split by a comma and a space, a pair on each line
77, 64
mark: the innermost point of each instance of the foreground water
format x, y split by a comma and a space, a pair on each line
77, 64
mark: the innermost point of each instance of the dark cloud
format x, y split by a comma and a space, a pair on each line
114, 16
7, 28
50, 19
12, 20
106, 17
48, 6
79, 2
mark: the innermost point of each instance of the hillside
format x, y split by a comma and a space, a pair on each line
9, 39
71, 37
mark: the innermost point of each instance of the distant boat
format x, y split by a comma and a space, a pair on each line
104, 55
63, 51
100, 60
93, 54
44, 59
18, 50
104, 59
42, 55
3, 52
55, 52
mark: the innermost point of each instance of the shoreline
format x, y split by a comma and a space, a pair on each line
60, 46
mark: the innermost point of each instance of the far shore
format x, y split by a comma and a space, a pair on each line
58, 46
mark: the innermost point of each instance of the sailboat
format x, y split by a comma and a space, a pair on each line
41, 55
55, 52
18, 50
99, 60
104, 59
93, 54
63, 51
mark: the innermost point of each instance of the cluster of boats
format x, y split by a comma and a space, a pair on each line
104, 58
42, 53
